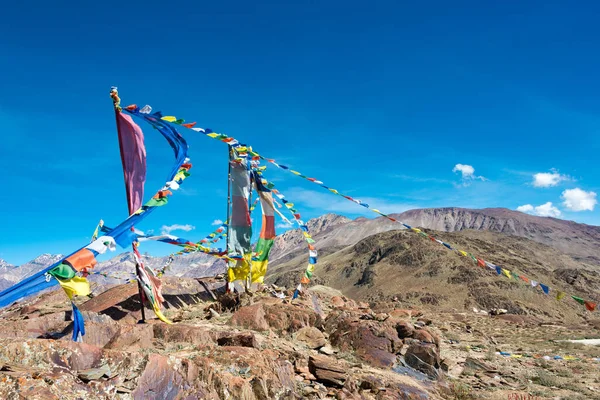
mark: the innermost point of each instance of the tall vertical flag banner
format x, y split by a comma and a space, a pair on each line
240, 225
267, 231
133, 158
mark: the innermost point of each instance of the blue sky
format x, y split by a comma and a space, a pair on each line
380, 100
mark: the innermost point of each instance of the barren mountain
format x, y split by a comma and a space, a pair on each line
578, 240
403, 265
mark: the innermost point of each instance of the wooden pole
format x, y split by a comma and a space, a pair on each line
228, 211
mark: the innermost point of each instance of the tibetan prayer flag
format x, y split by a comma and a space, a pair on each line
545, 288
524, 278
133, 158
579, 300
267, 231
481, 263
240, 224
533, 283
499, 270
62, 271
81, 260
506, 272
590, 306
560, 295
78, 325
75, 286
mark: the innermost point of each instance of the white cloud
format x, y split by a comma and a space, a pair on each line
579, 200
527, 208
284, 226
544, 210
167, 229
217, 222
548, 179
547, 210
467, 174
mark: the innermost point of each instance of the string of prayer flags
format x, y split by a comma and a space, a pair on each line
234, 143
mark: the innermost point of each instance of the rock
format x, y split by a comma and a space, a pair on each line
337, 302
95, 373
160, 377
327, 349
28, 310
327, 371
181, 333
110, 298
132, 337
404, 313
427, 336
381, 317
313, 337
250, 317
405, 329
371, 382
423, 357
243, 339
290, 318
373, 342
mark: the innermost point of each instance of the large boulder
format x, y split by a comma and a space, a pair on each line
424, 357
313, 337
405, 329
250, 317
327, 370
374, 342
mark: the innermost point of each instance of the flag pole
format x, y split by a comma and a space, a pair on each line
229, 284
114, 94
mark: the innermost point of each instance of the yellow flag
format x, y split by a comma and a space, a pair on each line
506, 272
77, 285
416, 230
464, 253
560, 295
169, 118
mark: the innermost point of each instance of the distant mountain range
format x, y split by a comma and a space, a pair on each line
334, 232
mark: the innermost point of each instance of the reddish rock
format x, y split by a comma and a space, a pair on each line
161, 380
405, 329
336, 301
132, 337
363, 306
401, 313
250, 317
29, 310
423, 357
181, 333
313, 337
243, 339
110, 298
290, 318
423, 336
327, 370
373, 342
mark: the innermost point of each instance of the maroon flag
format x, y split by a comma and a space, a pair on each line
133, 157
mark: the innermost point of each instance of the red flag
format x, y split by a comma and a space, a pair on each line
133, 158
590, 306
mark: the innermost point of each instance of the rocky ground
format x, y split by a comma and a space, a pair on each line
322, 346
